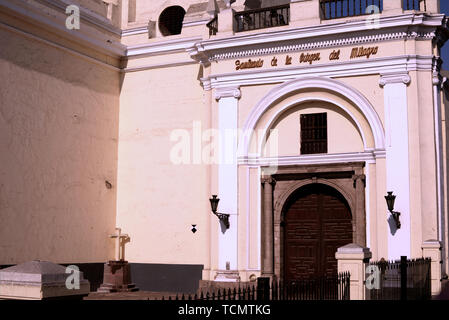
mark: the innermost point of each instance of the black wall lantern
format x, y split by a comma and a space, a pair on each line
390, 198
224, 217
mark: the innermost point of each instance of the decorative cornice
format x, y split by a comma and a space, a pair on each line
315, 45
405, 26
162, 47
158, 66
134, 31
442, 33
229, 92
195, 23
391, 78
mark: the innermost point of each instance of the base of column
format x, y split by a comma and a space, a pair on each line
432, 249
117, 278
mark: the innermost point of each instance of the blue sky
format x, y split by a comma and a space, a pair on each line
445, 50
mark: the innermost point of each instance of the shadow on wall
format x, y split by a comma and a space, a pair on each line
36, 56
166, 277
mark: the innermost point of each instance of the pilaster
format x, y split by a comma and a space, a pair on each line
432, 249
353, 258
397, 159
228, 181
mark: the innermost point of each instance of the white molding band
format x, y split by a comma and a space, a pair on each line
161, 47
134, 31
158, 66
367, 156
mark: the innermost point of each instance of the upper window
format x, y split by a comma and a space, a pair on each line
313, 133
170, 20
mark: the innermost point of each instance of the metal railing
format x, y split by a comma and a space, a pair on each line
414, 5
401, 280
335, 9
262, 18
324, 288
213, 26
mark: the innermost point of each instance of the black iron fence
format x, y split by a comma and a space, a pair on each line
334, 9
414, 5
262, 18
399, 280
326, 288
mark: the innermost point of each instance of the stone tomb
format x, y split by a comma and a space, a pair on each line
40, 280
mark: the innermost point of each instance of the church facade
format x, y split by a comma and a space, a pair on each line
299, 116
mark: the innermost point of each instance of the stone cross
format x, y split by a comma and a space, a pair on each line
119, 244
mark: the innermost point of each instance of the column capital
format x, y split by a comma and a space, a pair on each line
228, 92
269, 180
391, 78
359, 177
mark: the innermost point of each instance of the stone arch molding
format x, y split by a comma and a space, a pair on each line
332, 85
296, 185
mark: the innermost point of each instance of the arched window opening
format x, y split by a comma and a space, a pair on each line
170, 20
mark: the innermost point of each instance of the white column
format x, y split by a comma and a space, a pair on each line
438, 152
228, 181
397, 159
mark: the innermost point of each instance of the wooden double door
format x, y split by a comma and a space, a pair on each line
317, 221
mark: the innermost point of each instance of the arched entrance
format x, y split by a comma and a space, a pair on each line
317, 220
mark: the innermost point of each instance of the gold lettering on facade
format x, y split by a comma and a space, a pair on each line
309, 58
363, 52
250, 64
335, 55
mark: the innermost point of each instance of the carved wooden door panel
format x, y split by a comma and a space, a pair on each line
317, 221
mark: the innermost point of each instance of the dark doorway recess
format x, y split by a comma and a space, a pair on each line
317, 221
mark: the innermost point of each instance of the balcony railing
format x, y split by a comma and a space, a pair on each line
262, 18
414, 5
213, 26
334, 9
